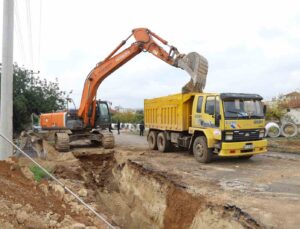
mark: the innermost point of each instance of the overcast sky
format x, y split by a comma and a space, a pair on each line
251, 46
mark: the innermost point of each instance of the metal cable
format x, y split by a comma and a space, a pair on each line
60, 183
40, 32
29, 31
19, 32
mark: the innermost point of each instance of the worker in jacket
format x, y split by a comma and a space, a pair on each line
142, 128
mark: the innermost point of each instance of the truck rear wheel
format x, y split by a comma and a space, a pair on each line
163, 144
152, 137
201, 152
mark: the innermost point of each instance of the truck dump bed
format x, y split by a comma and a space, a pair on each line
171, 112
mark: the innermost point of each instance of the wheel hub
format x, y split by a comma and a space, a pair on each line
200, 149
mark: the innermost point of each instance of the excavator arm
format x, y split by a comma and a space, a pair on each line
144, 42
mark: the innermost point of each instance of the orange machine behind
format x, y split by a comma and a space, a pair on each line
53, 120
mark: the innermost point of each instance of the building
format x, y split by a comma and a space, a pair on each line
292, 96
291, 100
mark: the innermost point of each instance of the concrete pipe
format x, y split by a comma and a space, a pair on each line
289, 129
272, 130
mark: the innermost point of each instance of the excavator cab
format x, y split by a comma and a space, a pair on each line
103, 117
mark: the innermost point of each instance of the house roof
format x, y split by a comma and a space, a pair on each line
294, 93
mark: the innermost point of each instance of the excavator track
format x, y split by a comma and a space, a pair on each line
108, 140
62, 142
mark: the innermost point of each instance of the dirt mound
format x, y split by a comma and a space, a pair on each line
17, 188
25, 203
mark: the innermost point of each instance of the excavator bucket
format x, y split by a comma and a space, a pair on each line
196, 66
32, 144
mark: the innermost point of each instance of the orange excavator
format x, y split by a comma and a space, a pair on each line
92, 120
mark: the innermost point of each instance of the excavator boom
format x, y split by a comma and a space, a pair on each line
193, 63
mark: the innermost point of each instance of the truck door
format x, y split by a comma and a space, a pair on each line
197, 108
209, 112
206, 111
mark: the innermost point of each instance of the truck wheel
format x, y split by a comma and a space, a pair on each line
201, 152
163, 144
152, 137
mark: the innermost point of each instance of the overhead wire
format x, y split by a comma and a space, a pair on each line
18, 31
28, 13
39, 36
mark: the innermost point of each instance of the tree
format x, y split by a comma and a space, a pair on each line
31, 94
128, 117
280, 107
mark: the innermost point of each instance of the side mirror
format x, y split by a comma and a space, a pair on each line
218, 117
265, 109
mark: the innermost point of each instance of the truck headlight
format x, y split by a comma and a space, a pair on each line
229, 136
261, 133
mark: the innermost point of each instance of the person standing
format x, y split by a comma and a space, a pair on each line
142, 128
118, 126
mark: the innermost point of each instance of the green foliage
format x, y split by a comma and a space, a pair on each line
38, 173
276, 111
128, 117
31, 94
139, 116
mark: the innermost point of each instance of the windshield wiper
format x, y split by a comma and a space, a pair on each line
237, 112
257, 116
242, 114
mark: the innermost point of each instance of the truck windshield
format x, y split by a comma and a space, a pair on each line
243, 109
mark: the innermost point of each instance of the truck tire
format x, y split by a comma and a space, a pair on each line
201, 152
152, 140
163, 144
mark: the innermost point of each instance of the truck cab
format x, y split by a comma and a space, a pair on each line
232, 124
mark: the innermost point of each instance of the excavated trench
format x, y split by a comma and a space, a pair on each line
135, 196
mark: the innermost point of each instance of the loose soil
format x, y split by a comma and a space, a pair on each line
284, 145
133, 187
27, 204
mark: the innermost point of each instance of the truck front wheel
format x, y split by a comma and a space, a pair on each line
201, 152
163, 144
152, 137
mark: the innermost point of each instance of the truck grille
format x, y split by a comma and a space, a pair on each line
243, 135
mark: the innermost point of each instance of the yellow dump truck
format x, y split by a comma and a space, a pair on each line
226, 124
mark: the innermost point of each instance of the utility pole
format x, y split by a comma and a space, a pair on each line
6, 108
